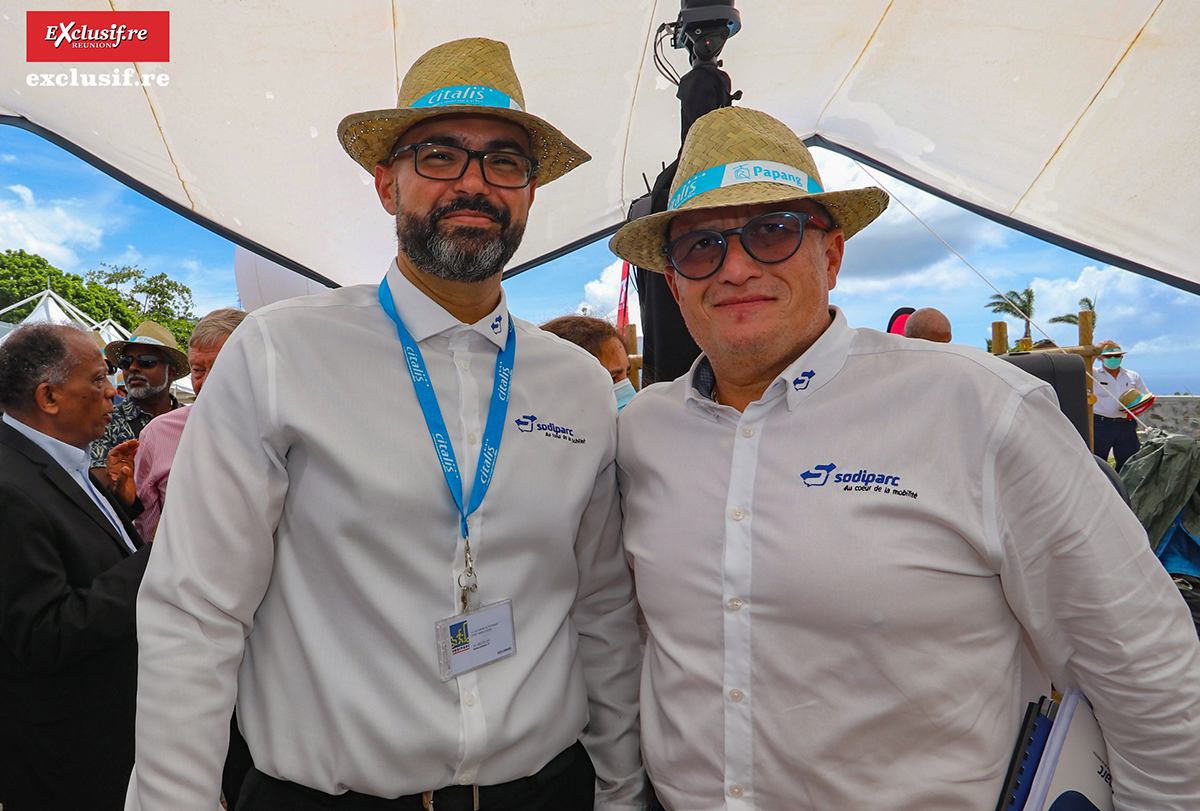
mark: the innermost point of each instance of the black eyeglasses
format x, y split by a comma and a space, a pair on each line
143, 361
506, 170
769, 238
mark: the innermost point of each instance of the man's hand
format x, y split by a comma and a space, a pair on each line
120, 471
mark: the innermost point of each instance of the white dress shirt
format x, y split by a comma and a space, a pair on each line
1109, 390
310, 535
837, 581
76, 462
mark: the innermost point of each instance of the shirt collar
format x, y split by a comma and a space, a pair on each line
819, 364
68, 456
423, 317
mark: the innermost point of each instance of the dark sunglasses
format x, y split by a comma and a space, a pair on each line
112, 370
505, 170
768, 238
143, 361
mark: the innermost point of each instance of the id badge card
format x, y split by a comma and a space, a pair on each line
474, 639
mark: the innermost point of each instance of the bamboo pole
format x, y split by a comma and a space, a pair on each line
1087, 325
999, 337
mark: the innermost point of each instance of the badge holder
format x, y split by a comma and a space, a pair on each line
474, 639
478, 636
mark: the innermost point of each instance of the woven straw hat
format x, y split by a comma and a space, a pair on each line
149, 333
738, 156
467, 76
1136, 402
1113, 350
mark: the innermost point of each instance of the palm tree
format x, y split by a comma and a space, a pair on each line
1085, 303
1018, 305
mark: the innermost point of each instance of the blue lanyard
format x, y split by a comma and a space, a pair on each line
497, 412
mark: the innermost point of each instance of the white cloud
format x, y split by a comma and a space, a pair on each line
897, 246
602, 296
48, 229
6, 158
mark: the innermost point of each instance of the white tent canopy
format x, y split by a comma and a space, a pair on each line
1070, 119
50, 307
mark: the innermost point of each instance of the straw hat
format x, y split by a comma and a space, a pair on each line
1136, 401
149, 333
1113, 350
464, 77
737, 156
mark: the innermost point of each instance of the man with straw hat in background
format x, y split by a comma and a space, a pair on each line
418, 597
151, 361
1120, 393
842, 538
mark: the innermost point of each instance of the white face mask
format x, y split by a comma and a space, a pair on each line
624, 391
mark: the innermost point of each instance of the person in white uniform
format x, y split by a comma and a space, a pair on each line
841, 539
397, 545
1113, 427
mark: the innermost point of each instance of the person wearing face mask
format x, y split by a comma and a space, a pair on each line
601, 339
1114, 428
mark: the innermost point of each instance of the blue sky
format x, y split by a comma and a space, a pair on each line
55, 205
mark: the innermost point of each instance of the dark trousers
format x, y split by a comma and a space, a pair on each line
566, 783
1118, 436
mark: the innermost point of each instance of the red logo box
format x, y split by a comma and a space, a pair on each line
97, 36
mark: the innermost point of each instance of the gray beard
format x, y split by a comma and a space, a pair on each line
461, 254
146, 392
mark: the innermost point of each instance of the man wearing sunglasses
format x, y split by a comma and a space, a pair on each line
843, 539
397, 543
150, 360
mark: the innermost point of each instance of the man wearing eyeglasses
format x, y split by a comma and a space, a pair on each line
151, 360
418, 598
843, 539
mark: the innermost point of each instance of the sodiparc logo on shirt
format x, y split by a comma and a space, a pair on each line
860, 481
528, 423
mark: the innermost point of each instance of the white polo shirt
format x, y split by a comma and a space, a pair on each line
309, 536
836, 585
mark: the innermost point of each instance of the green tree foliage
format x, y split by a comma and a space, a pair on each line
1085, 303
124, 294
153, 298
1018, 305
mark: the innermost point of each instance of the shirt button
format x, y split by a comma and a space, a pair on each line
736, 790
737, 514
469, 699
736, 695
747, 431
472, 439
464, 365
464, 781
735, 603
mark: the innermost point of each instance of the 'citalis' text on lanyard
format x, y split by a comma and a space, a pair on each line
492, 434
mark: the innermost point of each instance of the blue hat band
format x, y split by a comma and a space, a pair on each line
475, 95
733, 174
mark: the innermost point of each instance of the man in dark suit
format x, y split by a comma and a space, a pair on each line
70, 566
